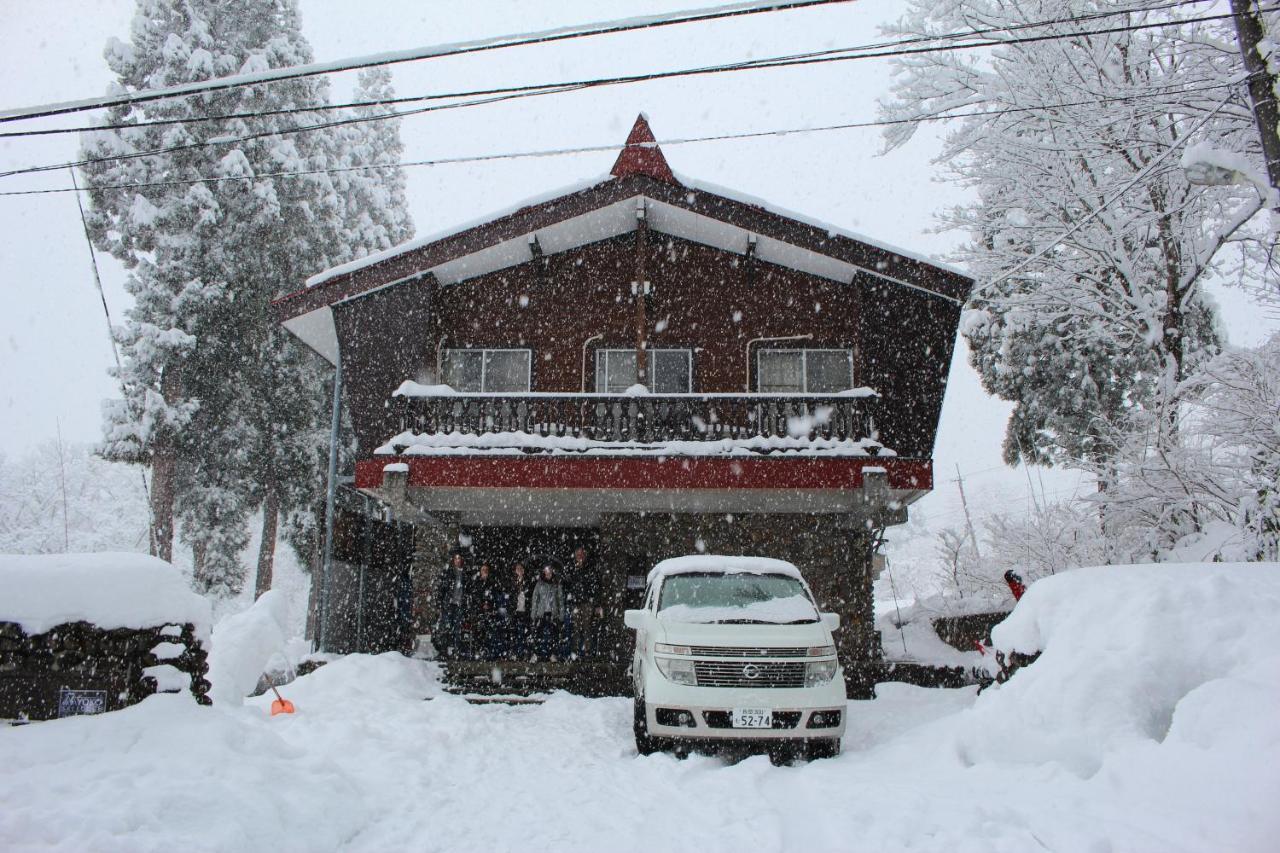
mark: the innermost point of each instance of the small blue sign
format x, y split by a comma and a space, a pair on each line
72, 703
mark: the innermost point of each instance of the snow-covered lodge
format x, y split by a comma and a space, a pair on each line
642, 364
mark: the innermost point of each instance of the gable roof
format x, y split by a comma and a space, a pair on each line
603, 208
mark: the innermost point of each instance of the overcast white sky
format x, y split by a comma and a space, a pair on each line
53, 341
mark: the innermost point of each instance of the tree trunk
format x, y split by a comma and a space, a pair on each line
164, 464
267, 550
198, 550
1251, 33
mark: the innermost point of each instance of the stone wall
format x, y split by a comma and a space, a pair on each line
114, 668
965, 632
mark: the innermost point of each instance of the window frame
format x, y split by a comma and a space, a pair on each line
484, 367
602, 357
804, 366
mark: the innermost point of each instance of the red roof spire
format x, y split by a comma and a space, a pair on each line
642, 156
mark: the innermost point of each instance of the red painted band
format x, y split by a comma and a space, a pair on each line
672, 472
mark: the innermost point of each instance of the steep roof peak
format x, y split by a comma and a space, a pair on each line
641, 155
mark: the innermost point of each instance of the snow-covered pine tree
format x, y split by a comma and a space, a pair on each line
368, 189
369, 186
1089, 245
377, 210
218, 400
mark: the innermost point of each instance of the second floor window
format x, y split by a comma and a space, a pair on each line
670, 370
493, 370
804, 371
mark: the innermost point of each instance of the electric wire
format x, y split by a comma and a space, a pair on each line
587, 149
396, 115
435, 52
589, 83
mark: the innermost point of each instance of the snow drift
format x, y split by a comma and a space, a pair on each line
1147, 724
243, 645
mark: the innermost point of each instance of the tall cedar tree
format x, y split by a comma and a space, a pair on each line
225, 409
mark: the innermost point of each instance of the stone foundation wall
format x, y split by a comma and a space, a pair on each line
431, 546
965, 632
110, 666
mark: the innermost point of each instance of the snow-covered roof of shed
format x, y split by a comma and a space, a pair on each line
723, 563
109, 590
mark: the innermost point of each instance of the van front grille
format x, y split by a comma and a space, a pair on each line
749, 652
721, 673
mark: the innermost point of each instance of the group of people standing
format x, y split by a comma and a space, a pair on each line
533, 610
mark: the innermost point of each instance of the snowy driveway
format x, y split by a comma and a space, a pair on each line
367, 764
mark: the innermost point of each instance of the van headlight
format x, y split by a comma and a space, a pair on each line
677, 671
819, 672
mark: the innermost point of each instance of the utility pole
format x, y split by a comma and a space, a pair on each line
968, 520
1250, 32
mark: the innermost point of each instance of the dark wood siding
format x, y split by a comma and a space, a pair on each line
385, 338
708, 300
703, 299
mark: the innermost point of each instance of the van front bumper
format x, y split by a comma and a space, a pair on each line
798, 713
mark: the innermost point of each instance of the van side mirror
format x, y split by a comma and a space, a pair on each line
633, 619
831, 620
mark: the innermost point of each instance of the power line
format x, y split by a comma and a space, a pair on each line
588, 149
557, 34
575, 84
115, 351
552, 89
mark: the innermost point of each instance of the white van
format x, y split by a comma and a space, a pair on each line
733, 649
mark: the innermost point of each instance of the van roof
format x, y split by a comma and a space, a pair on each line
724, 564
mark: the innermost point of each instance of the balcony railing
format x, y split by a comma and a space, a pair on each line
757, 421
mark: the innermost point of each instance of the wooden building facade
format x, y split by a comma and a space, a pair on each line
647, 365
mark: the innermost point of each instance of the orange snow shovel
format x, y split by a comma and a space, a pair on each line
281, 705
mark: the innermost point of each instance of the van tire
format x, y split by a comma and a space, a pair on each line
645, 745
826, 748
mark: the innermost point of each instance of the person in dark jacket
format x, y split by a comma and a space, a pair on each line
451, 594
519, 604
586, 604
486, 601
546, 610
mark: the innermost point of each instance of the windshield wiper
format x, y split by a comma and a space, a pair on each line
742, 622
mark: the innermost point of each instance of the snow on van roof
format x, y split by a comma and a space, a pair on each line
723, 563
109, 590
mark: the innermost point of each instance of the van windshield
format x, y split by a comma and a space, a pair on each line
739, 597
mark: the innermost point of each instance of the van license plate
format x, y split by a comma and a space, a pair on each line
752, 718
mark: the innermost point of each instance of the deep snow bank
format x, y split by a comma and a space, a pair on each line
1132, 654
1148, 724
243, 645
109, 590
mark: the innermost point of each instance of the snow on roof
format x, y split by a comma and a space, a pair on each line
109, 590
543, 198
428, 239
743, 198
724, 564
521, 443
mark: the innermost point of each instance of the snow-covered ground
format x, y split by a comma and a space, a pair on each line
1148, 724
